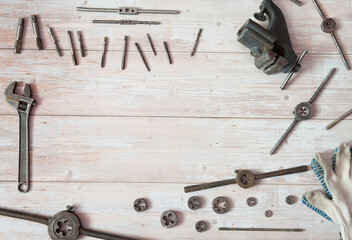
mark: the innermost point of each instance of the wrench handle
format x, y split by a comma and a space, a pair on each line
23, 169
24, 216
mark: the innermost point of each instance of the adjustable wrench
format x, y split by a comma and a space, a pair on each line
23, 105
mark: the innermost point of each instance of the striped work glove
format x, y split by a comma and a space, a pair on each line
335, 202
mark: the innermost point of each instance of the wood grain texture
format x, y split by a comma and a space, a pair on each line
100, 138
109, 206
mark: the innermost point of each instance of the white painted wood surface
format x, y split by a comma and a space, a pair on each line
100, 138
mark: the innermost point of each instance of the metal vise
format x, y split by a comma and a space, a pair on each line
271, 47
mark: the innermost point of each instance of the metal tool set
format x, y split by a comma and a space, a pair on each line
272, 51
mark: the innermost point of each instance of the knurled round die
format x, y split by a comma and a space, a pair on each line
328, 25
194, 203
245, 179
140, 205
221, 205
168, 219
64, 225
201, 226
303, 111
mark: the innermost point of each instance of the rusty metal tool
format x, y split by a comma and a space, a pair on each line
73, 56
245, 179
23, 105
127, 10
196, 42
303, 111
80, 42
339, 119
64, 225
19, 33
168, 52
53, 39
142, 56
262, 229
36, 32
102, 62
297, 2
290, 74
328, 25
151, 44
271, 46
124, 52
126, 22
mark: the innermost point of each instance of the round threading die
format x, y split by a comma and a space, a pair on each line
245, 178
303, 111
290, 200
221, 205
251, 202
140, 205
328, 25
194, 203
269, 213
168, 219
201, 226
64, 225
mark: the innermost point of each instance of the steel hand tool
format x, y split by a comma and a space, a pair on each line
73, 56
245, 179
102, 61
292, 71
23, 105
142, 56
303, 111
125, 22
328, 25
80, 42
339, 119
36, 32
196, 42
19, 33
124, 52
53, 39
64, 225
126, 10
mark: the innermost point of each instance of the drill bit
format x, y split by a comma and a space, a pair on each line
36, 32
142, 56
54, 41
74, 61
196, 42
123, 62
102, 62
167, 52
79, 37
151, 44
339, 119
19, 33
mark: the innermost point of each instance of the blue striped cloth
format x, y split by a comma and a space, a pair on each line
319, 172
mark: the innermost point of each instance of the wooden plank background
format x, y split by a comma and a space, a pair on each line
100, 138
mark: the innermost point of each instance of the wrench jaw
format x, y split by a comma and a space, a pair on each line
18, 102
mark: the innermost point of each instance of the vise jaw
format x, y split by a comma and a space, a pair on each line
271, 47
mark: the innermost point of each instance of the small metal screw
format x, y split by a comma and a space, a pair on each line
290, 200
251, 202
269, 213
221, 205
